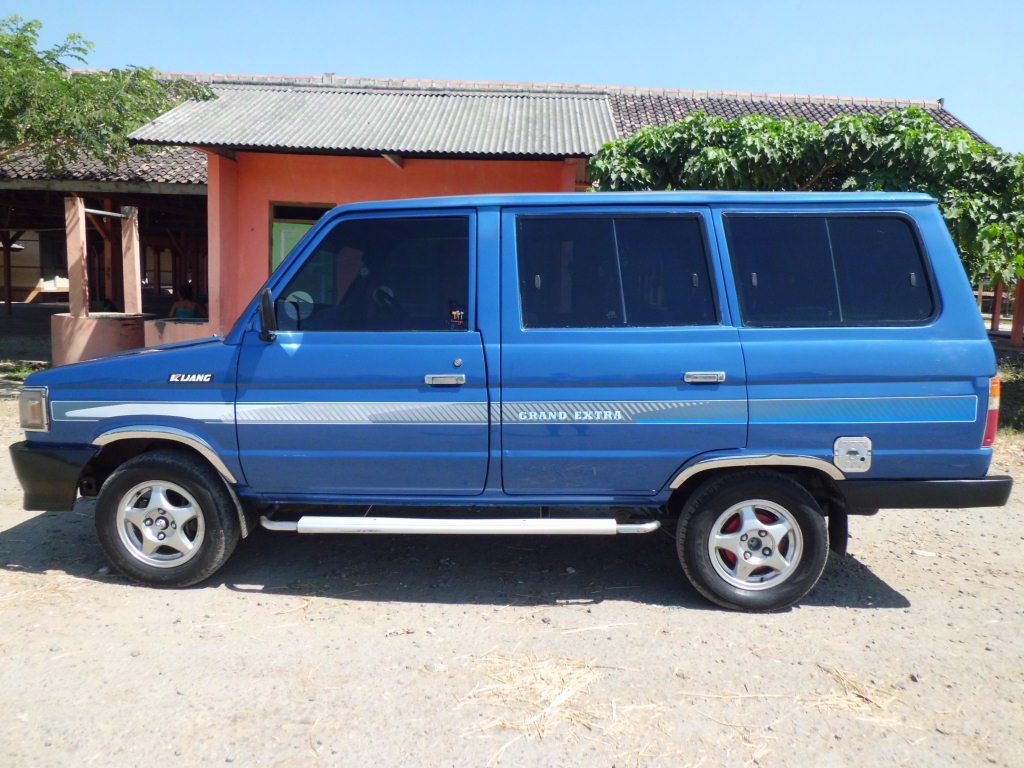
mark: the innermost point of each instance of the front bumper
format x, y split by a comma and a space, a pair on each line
49, 473
926, 494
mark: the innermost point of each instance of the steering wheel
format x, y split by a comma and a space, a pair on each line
298, 305
384, 298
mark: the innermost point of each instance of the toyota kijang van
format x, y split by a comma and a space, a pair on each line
750, 369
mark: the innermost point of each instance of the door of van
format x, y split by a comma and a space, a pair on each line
619, 361
376, 381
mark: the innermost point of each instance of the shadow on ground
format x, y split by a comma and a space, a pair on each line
25, 335
480, 570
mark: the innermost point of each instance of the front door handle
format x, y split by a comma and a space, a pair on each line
704, 377
444, 379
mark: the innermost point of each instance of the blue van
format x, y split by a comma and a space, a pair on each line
752, 368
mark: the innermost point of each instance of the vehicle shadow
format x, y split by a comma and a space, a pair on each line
483, 570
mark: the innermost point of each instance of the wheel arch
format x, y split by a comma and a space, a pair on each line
817, 476
123, 443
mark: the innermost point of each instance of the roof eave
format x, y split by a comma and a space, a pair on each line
362, 152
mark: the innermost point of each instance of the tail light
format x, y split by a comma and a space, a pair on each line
992, 420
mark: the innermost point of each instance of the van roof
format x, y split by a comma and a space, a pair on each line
640, 198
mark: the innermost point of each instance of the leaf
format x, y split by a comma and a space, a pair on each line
980, 188
58, 114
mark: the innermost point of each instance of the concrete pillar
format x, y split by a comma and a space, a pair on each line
8, 239
130, 260
78, 271
9, 288
5, 240
1017, 327
997, 307
108, 253
222, 225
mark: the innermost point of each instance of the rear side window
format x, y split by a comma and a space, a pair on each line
613, 272
828, 271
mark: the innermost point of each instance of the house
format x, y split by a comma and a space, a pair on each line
281, 150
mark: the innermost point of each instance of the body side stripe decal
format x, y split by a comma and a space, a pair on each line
867, 410
362, 413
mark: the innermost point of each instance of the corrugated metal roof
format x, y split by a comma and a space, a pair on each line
407, 122
439, 118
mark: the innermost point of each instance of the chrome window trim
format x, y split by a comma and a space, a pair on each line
764, 460
148, 432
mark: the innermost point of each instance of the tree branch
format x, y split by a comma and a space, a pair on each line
809, 184
8, 151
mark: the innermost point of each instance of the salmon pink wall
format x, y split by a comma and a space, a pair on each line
241, 192
222, 234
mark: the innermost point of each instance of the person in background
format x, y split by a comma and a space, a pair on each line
186, 307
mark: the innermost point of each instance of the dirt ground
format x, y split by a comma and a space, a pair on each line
420, 651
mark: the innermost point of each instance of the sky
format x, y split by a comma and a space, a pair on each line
970, 53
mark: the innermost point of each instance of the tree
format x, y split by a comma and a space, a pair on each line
980, 188
58, 114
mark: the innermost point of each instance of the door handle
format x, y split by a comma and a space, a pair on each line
444, 379
704, 377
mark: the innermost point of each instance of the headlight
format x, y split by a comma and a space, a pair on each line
33, 409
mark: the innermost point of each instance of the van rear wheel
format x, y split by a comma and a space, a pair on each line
165, 518
752, 541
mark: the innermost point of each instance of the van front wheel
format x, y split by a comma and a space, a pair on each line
752, 541
165, 518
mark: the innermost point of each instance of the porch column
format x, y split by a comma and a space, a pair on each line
222, 226
1017, 328
7, 240
78, 272
131, 267
108, 254
997, 307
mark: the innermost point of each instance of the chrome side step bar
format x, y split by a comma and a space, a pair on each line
542, 526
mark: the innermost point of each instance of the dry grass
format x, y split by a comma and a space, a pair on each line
537, 697
857, 696
535, 693
24, 586
543, 696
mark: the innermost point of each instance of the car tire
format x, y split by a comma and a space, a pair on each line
165, 518
752, 541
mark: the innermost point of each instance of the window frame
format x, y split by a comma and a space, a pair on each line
272, 219
825, 213
702, 217
300, 256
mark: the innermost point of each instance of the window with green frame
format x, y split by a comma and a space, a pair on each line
288, 225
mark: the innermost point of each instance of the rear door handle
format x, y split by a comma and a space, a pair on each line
444, 379
704, 377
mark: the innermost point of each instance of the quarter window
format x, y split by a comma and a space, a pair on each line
793, 271
403, 274
610, 272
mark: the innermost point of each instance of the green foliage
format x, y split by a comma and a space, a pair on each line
58, 114
19, 370
979, 187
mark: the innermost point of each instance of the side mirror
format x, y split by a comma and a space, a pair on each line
268, 316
